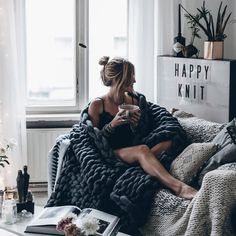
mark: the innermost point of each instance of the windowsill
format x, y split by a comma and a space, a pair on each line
53, 117
51, 120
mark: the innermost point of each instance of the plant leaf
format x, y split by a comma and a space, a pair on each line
226, 21
218, 19
1, 164
6, 162
201, 12
208, 24
212, 26
197, 35
198, 23
223, 15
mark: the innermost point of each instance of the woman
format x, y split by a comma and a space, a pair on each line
119, 75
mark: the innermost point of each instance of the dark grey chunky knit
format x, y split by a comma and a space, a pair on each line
92, 177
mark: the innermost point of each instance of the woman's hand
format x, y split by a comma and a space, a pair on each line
119, 119
134, 117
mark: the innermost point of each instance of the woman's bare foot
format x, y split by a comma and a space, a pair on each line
187, 192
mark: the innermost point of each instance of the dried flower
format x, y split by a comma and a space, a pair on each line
63, 222
72, 230
89, 225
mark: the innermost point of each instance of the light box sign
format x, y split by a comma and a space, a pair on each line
192, 81
197, 86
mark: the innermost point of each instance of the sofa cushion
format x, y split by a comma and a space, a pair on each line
197, 129
186, 166
232, 131
226, 153
223, 138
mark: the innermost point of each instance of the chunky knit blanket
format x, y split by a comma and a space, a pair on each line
91, 176
211, 212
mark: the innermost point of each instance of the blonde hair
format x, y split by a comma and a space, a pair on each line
119, 70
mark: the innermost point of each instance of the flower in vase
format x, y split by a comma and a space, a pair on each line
4, 148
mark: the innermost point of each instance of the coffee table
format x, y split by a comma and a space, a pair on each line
19, 227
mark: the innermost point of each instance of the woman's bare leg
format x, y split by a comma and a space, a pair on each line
152, 166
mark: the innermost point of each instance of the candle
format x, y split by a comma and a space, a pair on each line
8, 217
179, 41
179, 32
9, 213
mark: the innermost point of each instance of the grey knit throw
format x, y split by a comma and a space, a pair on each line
209, 213
92, 177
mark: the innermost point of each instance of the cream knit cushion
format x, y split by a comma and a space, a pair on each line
198, 130
188, 163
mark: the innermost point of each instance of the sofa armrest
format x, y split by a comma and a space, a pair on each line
55, 159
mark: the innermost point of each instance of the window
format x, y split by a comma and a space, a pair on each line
50, 53
58, 78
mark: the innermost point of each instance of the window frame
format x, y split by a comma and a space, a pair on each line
81, 65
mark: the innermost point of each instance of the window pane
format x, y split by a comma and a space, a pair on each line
50, 46
107, 37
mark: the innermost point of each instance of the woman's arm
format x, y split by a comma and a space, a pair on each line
94, 111
160, 147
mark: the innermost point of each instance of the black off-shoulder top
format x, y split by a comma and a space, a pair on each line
123, 135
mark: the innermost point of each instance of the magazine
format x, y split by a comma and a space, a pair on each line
47, 221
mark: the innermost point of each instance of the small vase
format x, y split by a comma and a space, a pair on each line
190, 50
213, 50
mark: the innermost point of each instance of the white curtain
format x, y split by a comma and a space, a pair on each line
12, 87
141, 44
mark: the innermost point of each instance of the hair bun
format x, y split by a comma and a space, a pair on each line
103, 61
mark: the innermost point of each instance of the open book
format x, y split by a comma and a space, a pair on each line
47, 221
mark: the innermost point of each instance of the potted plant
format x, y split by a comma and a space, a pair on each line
213, 47
190, 49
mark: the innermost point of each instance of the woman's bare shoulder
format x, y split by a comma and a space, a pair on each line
96, 106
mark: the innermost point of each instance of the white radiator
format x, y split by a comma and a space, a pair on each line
39, 142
